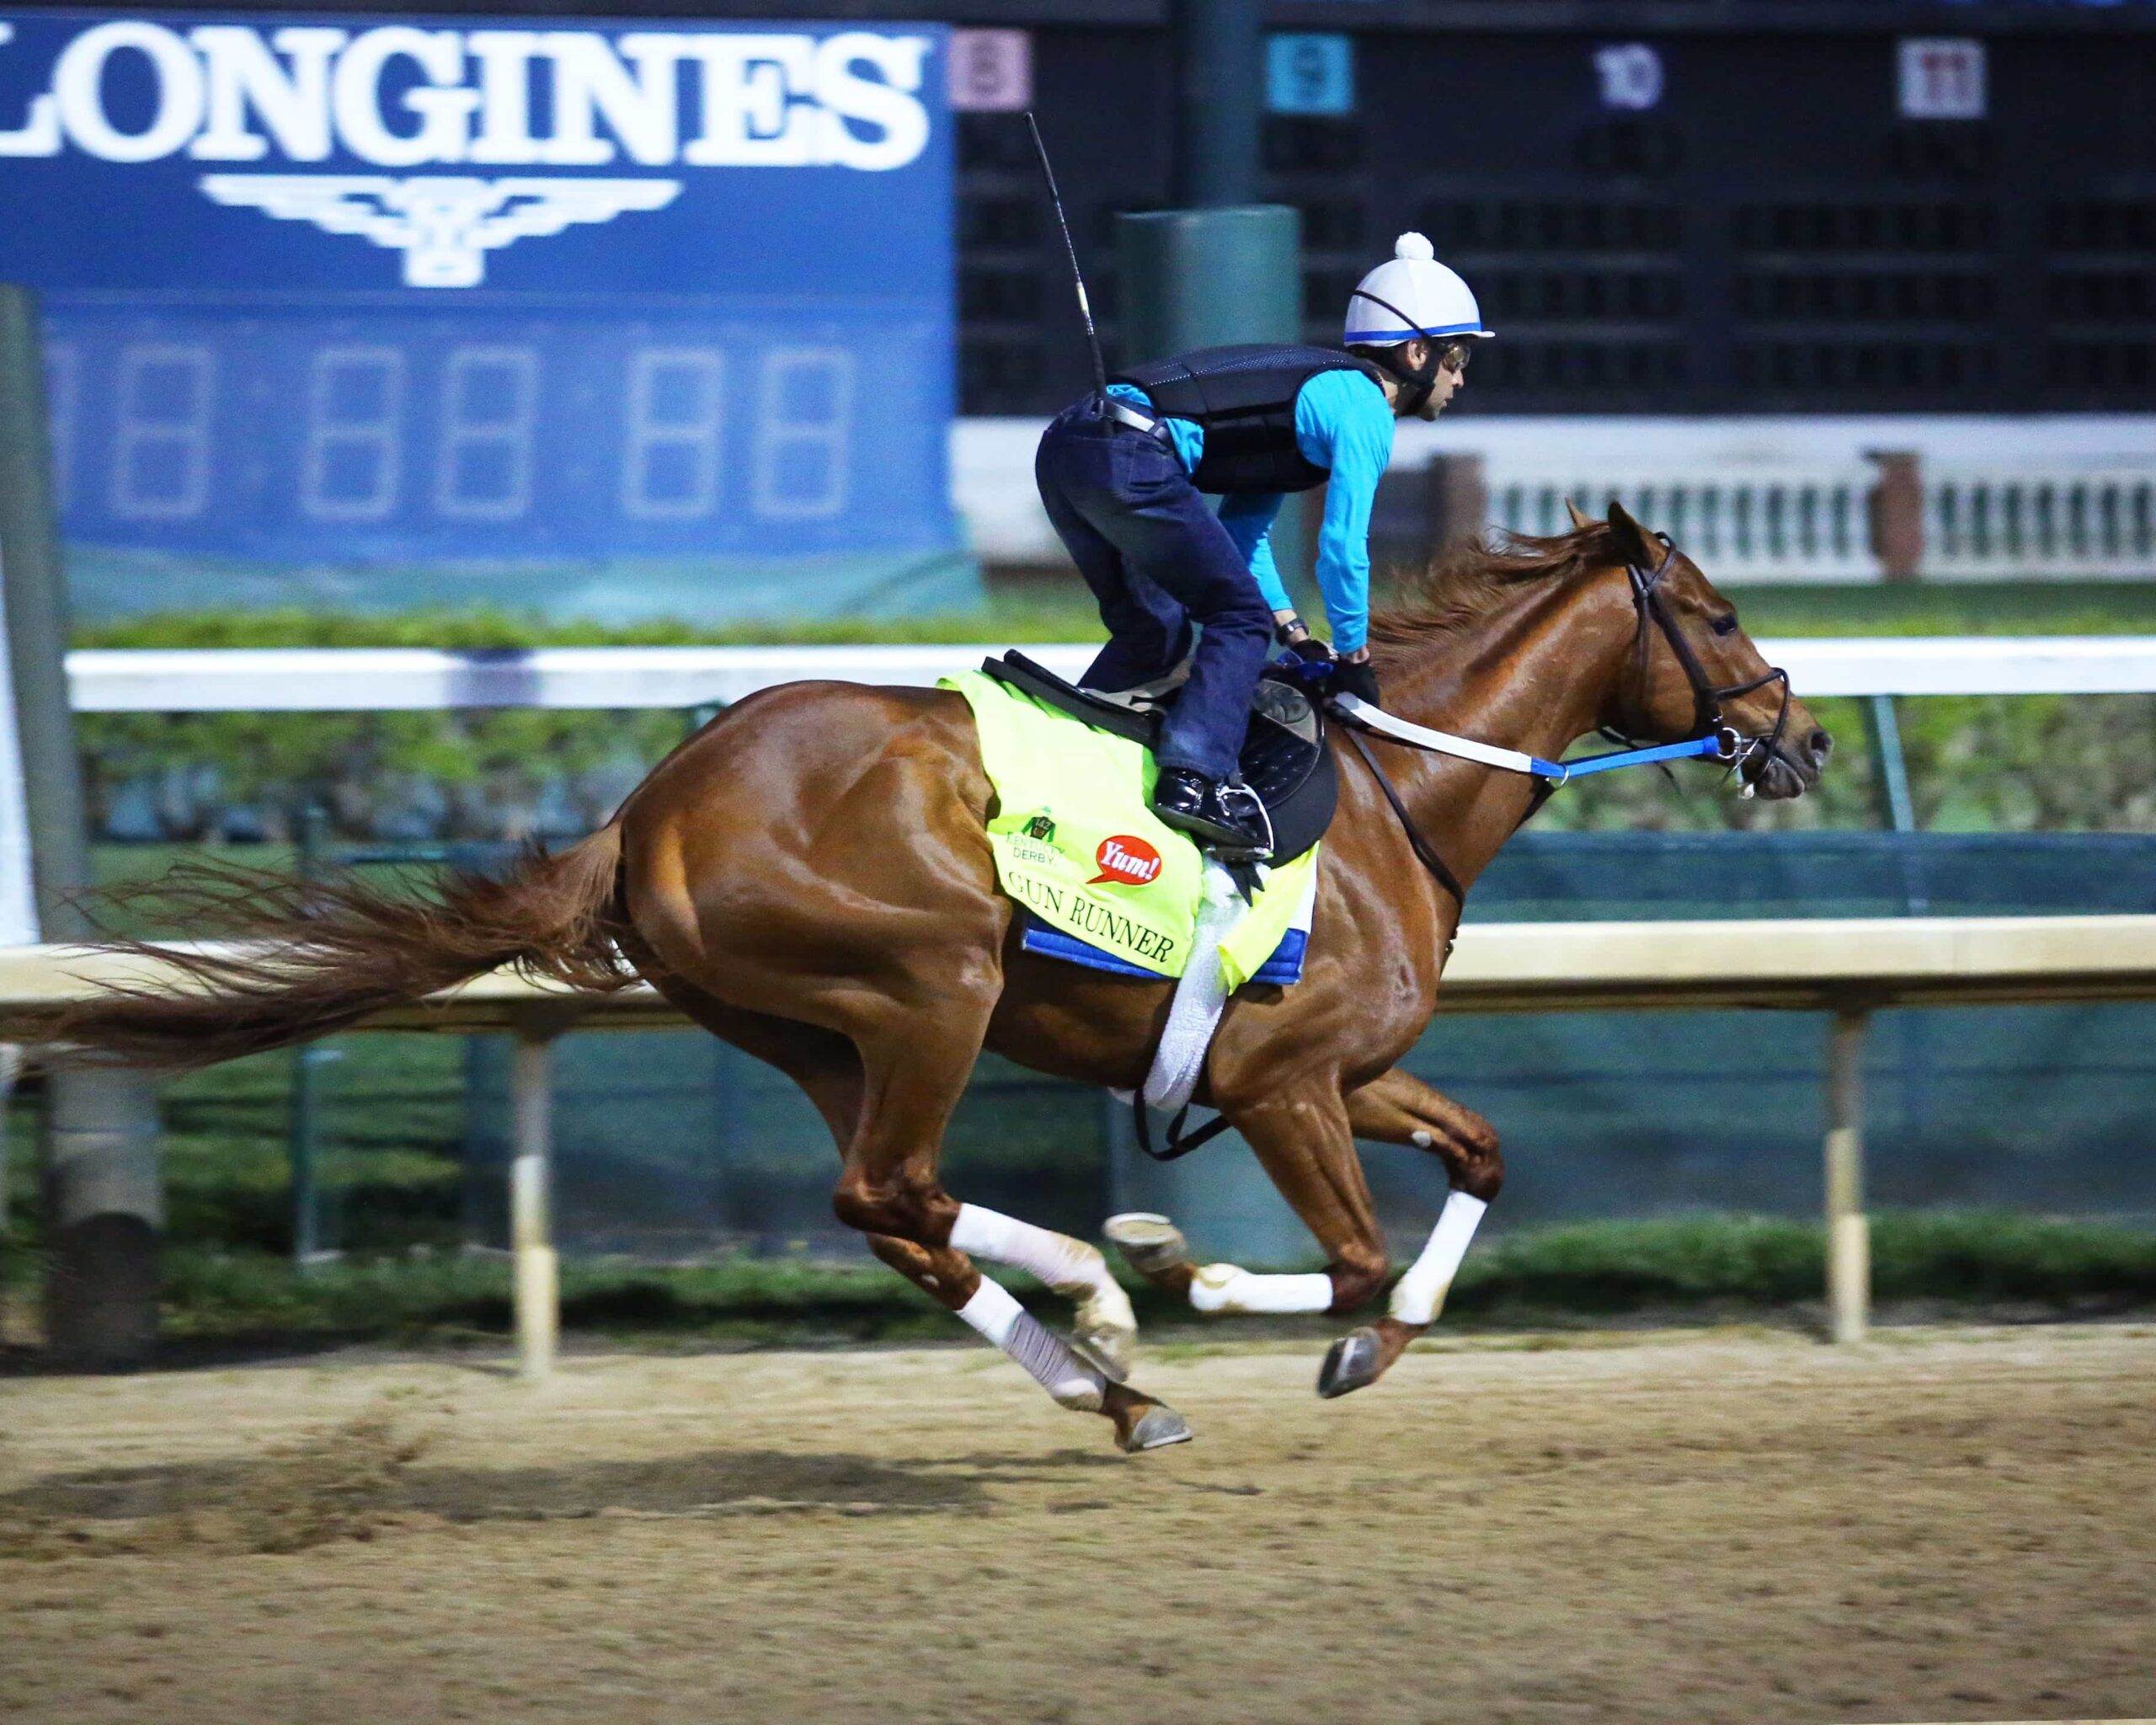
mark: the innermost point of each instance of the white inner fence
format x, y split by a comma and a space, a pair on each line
404, 679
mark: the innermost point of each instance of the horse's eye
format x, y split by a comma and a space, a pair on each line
1726, 625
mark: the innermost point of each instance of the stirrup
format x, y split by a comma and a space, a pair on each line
1250, 852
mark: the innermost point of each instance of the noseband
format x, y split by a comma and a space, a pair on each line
1707, 697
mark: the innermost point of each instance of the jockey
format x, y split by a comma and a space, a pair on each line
1121, 482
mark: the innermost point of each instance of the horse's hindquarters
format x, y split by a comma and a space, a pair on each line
818, 853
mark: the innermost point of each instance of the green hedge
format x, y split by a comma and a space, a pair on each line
1966, 1260
2029, 763
482, 774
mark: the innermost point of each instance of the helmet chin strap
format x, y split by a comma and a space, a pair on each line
1415, 386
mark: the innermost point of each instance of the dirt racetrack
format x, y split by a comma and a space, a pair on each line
1942, 1525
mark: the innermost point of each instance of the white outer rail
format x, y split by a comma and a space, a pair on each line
1760, 524
1756, 499
1753, 497
1811, 523
1849, 967
415, 679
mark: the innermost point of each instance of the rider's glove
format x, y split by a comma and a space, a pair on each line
1356, 677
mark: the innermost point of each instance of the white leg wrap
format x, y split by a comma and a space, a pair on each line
1069, 1266
1106, 1328
1419, 1295
996, 1315
1223, 1287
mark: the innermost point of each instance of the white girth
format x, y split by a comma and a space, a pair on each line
1202, 991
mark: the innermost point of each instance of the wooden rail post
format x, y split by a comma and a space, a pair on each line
1896, 508
1848, 1234
538, 1285
1456, 490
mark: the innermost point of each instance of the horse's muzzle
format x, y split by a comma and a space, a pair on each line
1788, 768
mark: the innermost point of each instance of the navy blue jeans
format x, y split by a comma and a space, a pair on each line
1158, 561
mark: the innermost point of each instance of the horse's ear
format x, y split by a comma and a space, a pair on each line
1633, 543
1581, 518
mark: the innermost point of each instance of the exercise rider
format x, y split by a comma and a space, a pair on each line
1122, 479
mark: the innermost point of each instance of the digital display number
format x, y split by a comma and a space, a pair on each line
410, 434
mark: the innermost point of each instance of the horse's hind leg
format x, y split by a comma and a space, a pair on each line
915, 1072
1397, 1108
949, 1278
1103, 1328
828, 1068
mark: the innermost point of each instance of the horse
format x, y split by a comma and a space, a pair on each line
808, 877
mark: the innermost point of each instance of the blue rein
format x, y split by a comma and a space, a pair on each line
1713, 748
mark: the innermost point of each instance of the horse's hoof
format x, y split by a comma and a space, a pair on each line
1352, 1363
1155, 1428
1149, 1244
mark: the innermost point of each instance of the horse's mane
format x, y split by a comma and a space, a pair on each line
1467, 579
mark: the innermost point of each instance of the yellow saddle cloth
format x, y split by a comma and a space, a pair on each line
1077, 844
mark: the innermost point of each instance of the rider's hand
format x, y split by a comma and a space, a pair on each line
1292, 633
1357, 677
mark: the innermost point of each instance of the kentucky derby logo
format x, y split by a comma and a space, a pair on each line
444, 224
1128, 860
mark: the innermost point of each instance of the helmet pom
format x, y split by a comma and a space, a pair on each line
1413, 246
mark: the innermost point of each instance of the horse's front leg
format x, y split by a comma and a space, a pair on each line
1397, 1108
1303, 1139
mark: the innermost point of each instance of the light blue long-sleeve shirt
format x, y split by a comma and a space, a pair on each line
1343, 424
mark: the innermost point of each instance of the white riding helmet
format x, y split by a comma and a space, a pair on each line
1409, 295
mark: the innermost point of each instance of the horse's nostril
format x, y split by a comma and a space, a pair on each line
1817, 745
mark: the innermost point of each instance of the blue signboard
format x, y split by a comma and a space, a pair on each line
375, 289
1309, 74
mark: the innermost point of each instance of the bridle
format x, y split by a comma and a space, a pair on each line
1709, 724
1707, 695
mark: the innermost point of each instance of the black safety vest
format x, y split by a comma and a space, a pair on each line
1245, 398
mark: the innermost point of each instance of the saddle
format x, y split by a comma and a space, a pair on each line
1284, 759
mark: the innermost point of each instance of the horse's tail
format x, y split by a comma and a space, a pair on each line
315, 956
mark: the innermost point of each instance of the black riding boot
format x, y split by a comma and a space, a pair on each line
1229, 818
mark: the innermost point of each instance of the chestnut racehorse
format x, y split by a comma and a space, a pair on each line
808, 877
